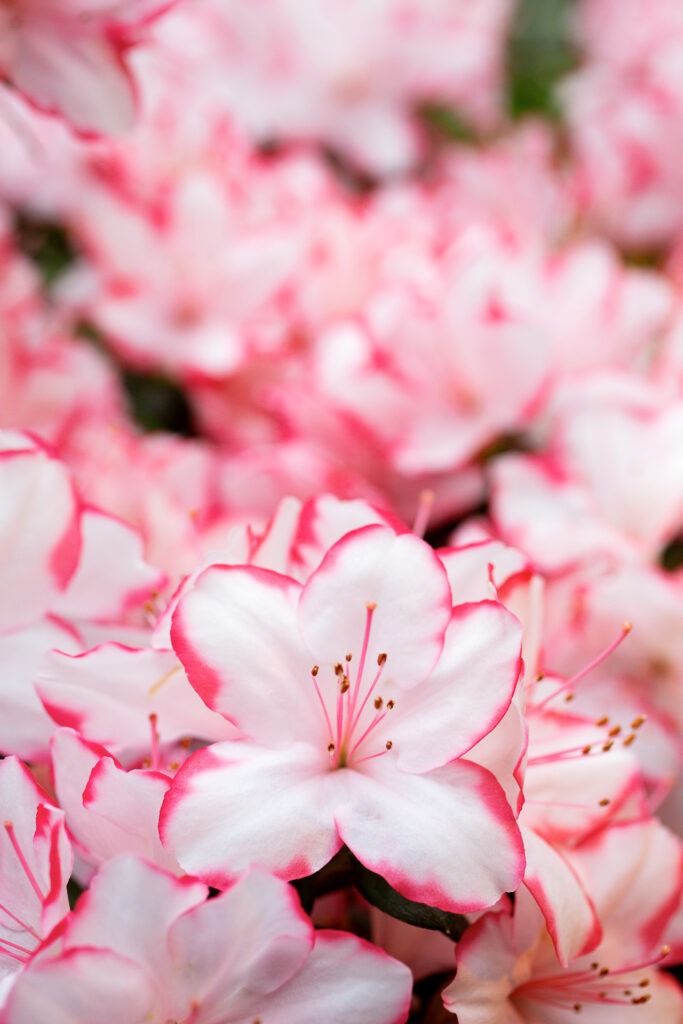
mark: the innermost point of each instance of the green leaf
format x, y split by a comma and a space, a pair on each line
380, 894
540, 52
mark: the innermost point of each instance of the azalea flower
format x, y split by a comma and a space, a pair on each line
148, 947
357, 693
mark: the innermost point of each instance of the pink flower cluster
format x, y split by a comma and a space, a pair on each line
356, 692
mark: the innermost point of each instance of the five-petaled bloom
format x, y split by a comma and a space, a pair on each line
358, 695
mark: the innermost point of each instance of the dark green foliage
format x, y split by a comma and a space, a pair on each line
540, 52
157, 403
47, 244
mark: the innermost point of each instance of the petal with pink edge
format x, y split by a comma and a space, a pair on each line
129, 908
234, 805
254, 936
569, 914
343, 980
93, 985
38, 552
377, 593
112, 575
236, 634
447, 838
80, 75
466, 695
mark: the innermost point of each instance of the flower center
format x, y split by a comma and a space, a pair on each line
352, 707
623, 986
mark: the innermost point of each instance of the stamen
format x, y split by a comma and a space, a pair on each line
370, 609
570, 684
381, 661
154, 743
328, 723
155, 687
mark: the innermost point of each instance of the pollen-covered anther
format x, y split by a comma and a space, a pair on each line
339, 669
638, 721
587, 749
390, 705
608, 745
345, 684
614, 731
602, 721
631, 738
378, 702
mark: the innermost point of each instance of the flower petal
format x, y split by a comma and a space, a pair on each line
234, 805
403, 577
236, 634
447, 838
466, 695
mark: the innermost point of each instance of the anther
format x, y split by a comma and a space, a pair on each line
638, 721
644, 983
381, 659
378, 702
568, 698
371, 605
339, 669
602, 721
388, 744
607, 746
604, 802
603, 971
639, 1000
595, 965
629, 739
577, 1007
349, 657
587, 750
315, 670
614, 731
345, 684
331, 748
390, 704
